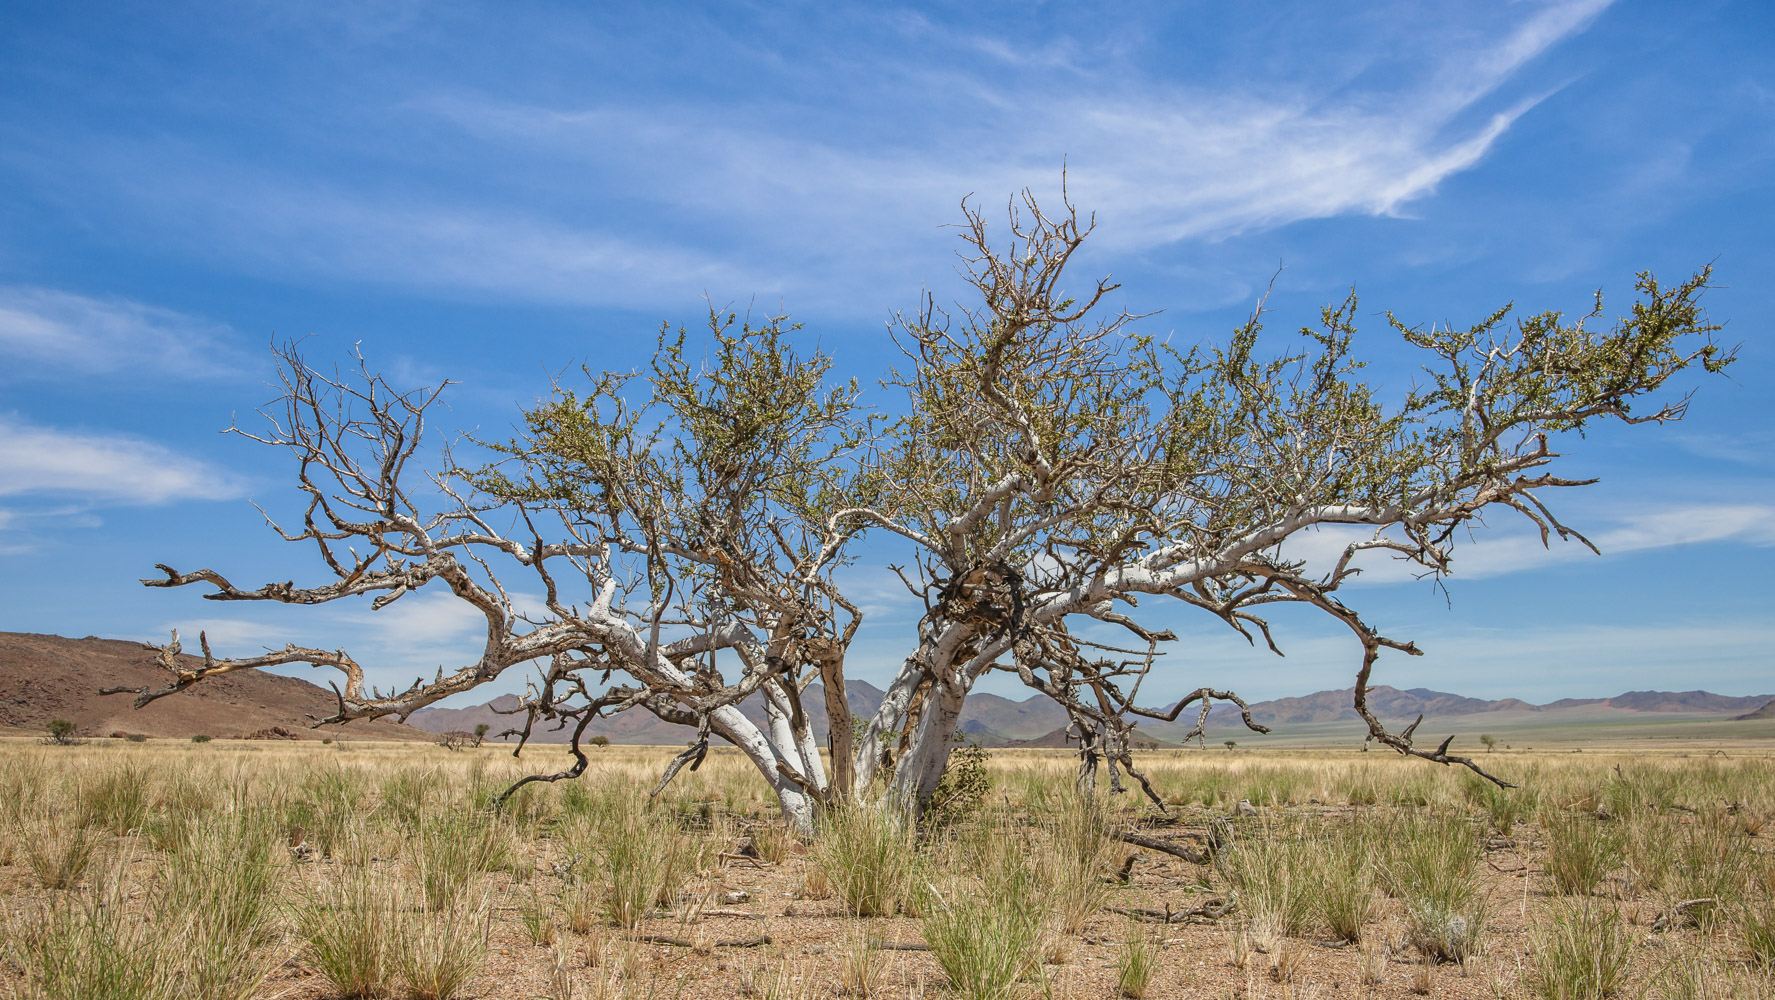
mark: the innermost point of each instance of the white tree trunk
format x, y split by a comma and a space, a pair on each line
918, 772
797, 805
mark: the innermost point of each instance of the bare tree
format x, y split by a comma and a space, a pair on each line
1047, 468
1056, 470
674, 523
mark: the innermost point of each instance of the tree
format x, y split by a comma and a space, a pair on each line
1490, 741
481, 732
1048, 468
454, 740
61, 732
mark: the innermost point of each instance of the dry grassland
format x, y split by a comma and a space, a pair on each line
220, 870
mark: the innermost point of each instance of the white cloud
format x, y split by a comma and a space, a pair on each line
52, 332
411, 638
1508, 548
103, 468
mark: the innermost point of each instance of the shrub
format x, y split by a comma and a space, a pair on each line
455, 739
1582, 954
962, 789
61, 732
202, 738
598, 741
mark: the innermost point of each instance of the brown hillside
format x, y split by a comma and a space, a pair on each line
44, 677
1766, 712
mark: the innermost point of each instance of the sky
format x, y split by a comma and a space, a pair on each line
496, 193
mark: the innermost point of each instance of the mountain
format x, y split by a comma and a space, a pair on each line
992, 720
1668, 701
1386, 702
987, 718
44, 677
1392, 703
1766, 712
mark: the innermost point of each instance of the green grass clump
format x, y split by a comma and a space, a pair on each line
59, 856
1427, 862
986, 941
1581, 852
347, 929
451, 850
1135, 966
1346, 883
869, 856
90, 947
1277, 875
1582, 954
1070, 862
116, 800
441, 950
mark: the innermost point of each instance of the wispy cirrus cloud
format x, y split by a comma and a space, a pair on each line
635, 197
1509, 548
49, 333
103, 468
1159, 162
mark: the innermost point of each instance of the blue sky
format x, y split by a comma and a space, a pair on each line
492, 193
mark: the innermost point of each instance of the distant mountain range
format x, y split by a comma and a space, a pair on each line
992, 720
48, 676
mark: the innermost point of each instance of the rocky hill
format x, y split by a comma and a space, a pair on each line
44, 677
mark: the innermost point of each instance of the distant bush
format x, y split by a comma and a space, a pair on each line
61, 732
599, 741
136, 738
202, 738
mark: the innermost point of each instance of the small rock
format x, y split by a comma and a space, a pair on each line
1246, 808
